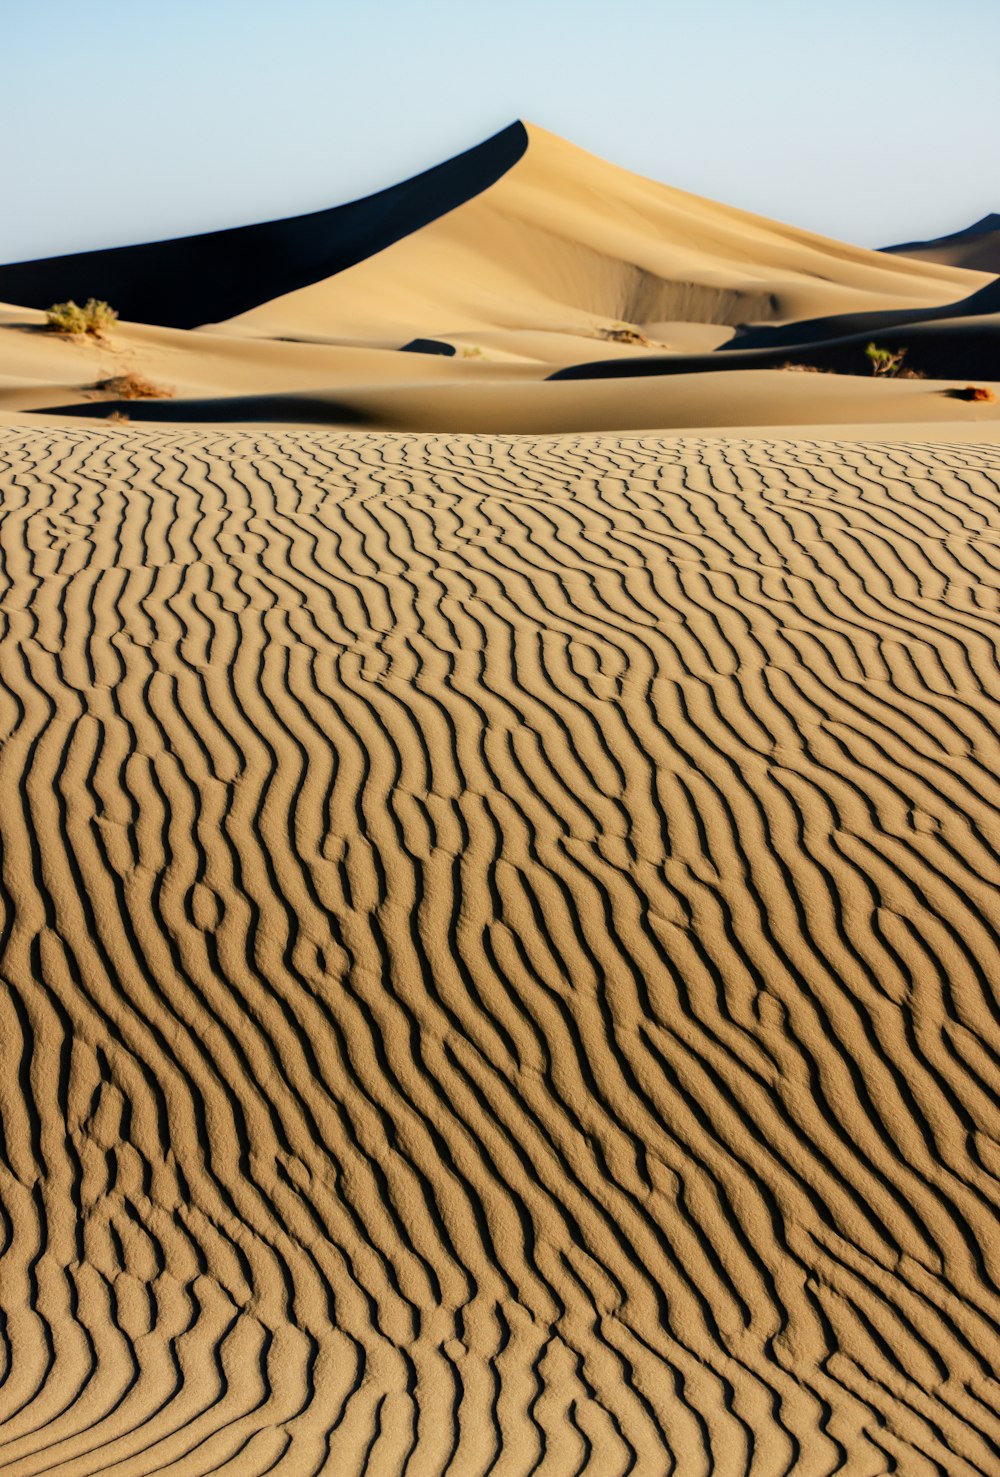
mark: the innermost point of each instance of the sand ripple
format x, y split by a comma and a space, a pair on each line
499, 942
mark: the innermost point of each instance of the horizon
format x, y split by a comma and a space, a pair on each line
300, 150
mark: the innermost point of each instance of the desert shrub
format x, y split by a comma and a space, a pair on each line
133, 387
796, 368
95, 317
885, 361
622, 333
117, 417
66, 318
982, 393
472, 352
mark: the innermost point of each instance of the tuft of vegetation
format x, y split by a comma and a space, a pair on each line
623, 333
887, 362
133, 387
118, 417
982, 393
472, 352
805, 368
94, 318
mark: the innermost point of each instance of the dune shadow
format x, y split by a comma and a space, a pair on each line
985, 301
428, 346
953, 349
213, 276
312, 409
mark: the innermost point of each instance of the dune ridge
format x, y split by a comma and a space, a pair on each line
500, 946
190, 280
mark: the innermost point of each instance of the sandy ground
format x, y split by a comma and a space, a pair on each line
499, 939
499, 845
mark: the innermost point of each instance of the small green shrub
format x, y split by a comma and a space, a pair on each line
885, 361
95, 317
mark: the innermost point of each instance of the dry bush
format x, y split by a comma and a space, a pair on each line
133, 387
790, 364
982, 393
621, 333
95, 317
472, 351
118, 417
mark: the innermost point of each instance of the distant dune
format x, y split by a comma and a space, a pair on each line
976, 248
500, 845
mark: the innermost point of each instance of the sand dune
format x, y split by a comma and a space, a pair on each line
585, 398
194, 279
976, 248
220, 378
563, 241
522, 260
500, 941
524, 232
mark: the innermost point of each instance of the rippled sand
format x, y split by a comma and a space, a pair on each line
500, 956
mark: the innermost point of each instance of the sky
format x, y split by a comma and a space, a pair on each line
876, 121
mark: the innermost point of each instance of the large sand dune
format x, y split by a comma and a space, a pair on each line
523, 260
499, 945
565, 242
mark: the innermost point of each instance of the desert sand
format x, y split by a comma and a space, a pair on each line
498, 874
523, 262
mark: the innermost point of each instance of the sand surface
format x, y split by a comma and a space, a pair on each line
499, 944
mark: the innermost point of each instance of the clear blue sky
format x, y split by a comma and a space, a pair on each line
128, 120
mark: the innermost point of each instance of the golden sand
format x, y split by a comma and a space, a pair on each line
499, 946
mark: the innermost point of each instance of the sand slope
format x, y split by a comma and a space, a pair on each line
499, 944
192, 279
565, 242
976, 248
220, 378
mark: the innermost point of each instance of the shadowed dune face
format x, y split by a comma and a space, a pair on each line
499, 945
983, 306
196, 279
